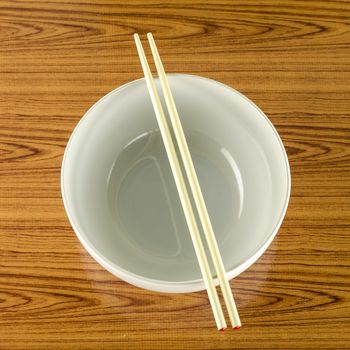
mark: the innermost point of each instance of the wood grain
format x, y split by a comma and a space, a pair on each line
58, 57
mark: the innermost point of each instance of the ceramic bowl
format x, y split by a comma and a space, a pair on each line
121, 198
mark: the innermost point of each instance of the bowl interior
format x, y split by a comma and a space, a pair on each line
121, 197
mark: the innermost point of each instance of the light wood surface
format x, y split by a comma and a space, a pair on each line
59, 57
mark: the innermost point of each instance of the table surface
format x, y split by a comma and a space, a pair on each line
57, 58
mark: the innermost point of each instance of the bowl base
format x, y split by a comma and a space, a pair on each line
144, 204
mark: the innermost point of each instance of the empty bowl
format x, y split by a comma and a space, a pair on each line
120, 195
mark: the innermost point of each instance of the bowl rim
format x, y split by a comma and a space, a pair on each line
161, 285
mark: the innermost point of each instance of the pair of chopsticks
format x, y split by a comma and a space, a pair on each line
182, 189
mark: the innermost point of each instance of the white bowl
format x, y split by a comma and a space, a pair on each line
121, 199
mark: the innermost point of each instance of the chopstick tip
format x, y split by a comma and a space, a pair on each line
222, 329
236, 328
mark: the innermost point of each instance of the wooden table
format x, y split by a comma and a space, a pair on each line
59, 57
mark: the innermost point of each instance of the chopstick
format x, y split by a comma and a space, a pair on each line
195, 188
182, 190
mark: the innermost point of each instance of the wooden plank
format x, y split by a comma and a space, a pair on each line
57, 58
